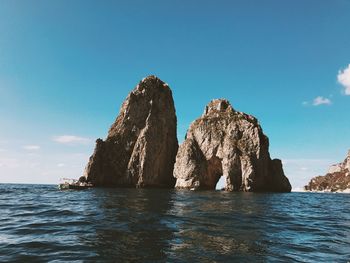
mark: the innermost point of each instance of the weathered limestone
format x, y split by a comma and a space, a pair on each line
225, 142
141, 145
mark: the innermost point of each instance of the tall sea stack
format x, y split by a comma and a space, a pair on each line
225, 142
141, 145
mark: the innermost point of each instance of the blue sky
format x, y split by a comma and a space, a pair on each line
66, 67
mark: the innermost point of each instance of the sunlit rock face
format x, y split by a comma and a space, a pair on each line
141, 145
336, 180
225, 142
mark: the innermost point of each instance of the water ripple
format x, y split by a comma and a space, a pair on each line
41, 223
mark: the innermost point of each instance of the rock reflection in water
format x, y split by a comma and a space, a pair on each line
215, 229
132, 224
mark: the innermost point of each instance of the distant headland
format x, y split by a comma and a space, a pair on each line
337, 178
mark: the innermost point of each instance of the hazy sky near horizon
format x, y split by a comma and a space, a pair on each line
66, 67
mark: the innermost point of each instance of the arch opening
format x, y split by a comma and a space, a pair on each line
213, 173
221, 184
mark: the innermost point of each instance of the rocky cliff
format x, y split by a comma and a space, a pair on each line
141, 145
337, 178
225, 142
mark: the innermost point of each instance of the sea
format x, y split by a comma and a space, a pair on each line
40, 223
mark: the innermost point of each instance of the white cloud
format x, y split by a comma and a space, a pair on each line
60, 165
31, 147
9, 162
321, 101
71, 139
33, 165
19, 167
344, 79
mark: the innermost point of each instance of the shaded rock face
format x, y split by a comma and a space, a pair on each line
225, 142
141, 145
336, 179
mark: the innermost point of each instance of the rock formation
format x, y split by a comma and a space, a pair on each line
337, 178
141, 145
225, 142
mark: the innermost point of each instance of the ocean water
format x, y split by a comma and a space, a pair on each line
39, 223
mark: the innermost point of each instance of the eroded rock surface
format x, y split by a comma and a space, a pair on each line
337, 178
141, 145
225, 142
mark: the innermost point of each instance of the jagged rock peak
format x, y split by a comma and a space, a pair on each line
150, 83
340, 166
229, 143
218, 106
222, 107
141, 145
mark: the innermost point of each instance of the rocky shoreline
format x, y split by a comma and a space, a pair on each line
141, 149
346, 191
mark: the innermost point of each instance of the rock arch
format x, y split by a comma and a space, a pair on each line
225, 142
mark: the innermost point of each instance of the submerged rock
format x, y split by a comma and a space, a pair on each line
225, 142
337, 178
141, 145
